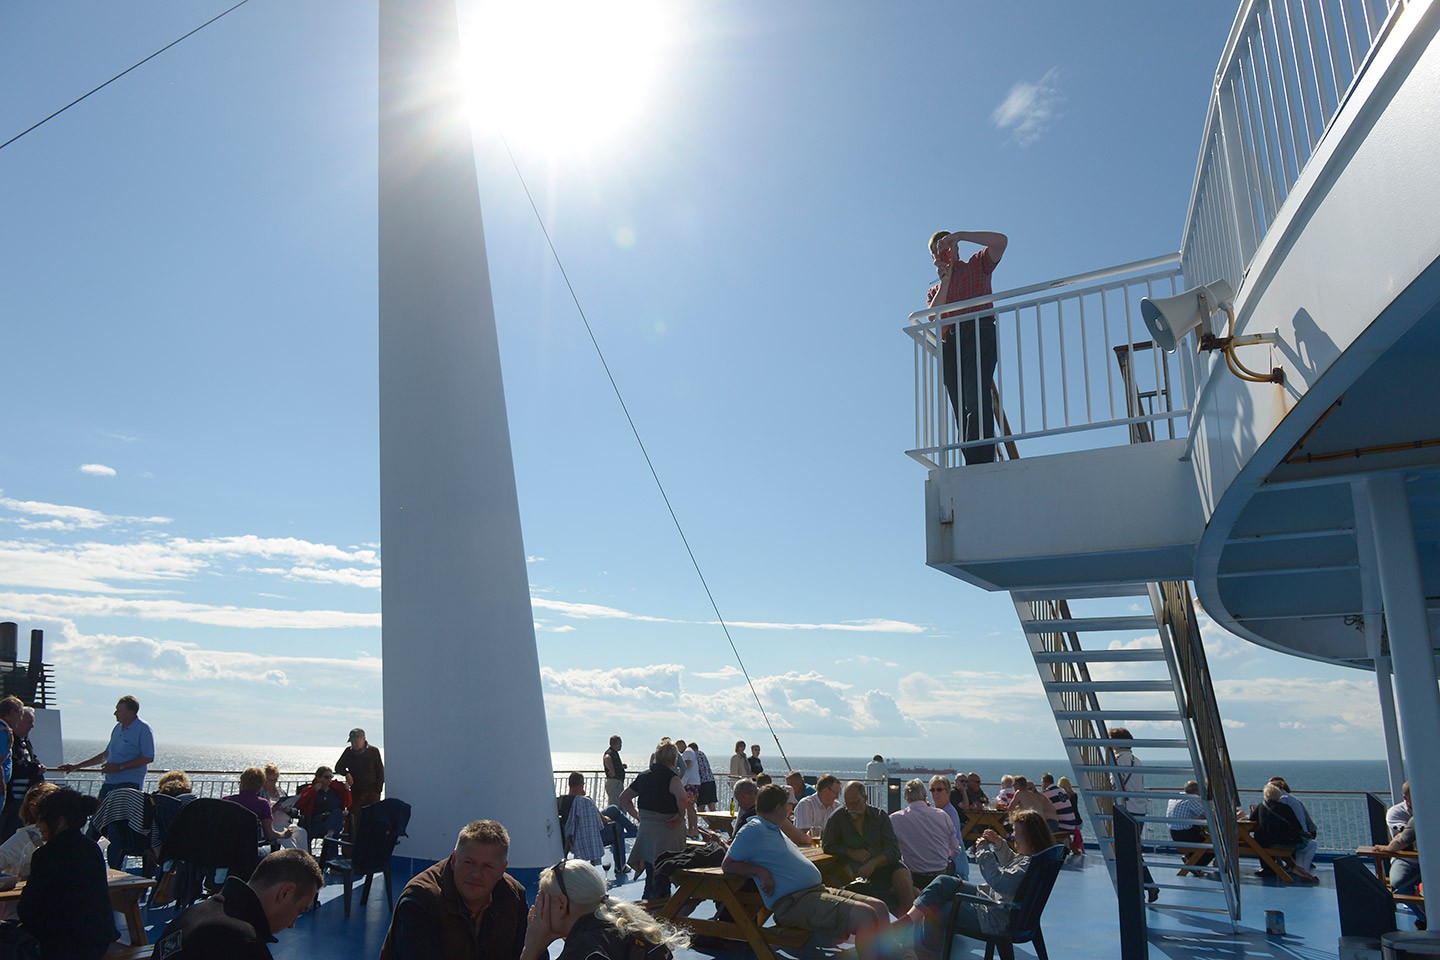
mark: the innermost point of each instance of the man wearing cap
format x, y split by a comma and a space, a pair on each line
364, 772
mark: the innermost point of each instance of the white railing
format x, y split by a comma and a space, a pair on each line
1072, 355
1286, 69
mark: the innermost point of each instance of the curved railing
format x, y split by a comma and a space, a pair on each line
1287, 68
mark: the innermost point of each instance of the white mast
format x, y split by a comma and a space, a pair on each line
465, 734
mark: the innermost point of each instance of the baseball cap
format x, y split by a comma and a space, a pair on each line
357, 734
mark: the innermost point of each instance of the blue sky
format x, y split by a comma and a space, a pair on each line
188, 452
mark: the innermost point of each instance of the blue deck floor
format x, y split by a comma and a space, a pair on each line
1080, 922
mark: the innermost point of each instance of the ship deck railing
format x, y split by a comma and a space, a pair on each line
1341, 816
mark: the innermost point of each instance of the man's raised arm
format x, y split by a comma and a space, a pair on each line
994, 242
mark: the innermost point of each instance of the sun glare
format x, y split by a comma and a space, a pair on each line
563, 75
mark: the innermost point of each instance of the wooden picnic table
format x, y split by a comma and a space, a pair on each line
1380, 855
741, 898
718, 820
978, 821
126, 889
1281, 860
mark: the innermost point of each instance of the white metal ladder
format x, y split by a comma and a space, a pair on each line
1162, 686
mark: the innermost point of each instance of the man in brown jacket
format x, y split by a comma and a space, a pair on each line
464, 907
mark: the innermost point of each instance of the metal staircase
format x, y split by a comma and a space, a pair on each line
1154, 685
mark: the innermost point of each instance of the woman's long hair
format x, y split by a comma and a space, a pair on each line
585, 889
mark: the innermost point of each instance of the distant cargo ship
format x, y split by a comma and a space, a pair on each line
919, 771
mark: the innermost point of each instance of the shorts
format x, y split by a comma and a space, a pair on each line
691, 789
708, 793
819, 909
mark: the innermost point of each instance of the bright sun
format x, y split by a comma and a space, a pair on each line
563, 75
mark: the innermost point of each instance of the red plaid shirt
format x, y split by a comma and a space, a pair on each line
968, 280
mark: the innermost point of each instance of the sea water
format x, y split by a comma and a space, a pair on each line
1337, 776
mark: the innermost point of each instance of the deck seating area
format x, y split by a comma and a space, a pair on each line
1080, 922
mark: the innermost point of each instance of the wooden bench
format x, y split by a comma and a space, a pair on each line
739, 896
1281, 860
1380, 857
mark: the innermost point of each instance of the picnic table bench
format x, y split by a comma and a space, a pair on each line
741, 899
1380, 855
126, 889
1281, 860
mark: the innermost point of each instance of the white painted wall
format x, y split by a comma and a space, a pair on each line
465, 735
1113, 514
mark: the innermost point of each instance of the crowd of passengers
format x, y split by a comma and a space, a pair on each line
889, 876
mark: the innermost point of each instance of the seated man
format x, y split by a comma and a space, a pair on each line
243, 918
586, 830
790, 884
927, 836
1398, 817
865, 842
463, 907
813, 812
1190, 807
1026, 797
796, 782
746, 795
1404, 872
975, 798
745, 792
322, 805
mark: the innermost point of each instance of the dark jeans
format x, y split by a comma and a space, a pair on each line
326, 827
613, 834
970, 386
1404, 878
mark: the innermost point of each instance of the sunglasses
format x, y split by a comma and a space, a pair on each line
939, 789
558, 872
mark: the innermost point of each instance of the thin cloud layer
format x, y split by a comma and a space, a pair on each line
97, 470
1029, 108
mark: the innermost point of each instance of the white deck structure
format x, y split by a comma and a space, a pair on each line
1306, 513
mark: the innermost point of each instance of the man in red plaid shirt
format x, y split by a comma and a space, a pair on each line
967, 348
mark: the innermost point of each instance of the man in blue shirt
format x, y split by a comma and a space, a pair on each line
790, 884
130, 752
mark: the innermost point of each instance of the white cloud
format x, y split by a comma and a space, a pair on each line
1230, 724
97, 470
68, 517
1291, 725
847, 626
101, 657
20, 606
1029, 108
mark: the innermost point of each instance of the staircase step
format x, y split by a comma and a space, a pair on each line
1186, 886
1187, 821
1173, 794
1139, 744
1186, 908
1098, 591
1109, 686
1131, 655
1185, 769
1118, 714
1088, 624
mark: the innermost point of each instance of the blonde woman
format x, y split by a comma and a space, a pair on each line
662, 802
572, 905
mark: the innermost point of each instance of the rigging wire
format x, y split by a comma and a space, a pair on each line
121, 74
654, 474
